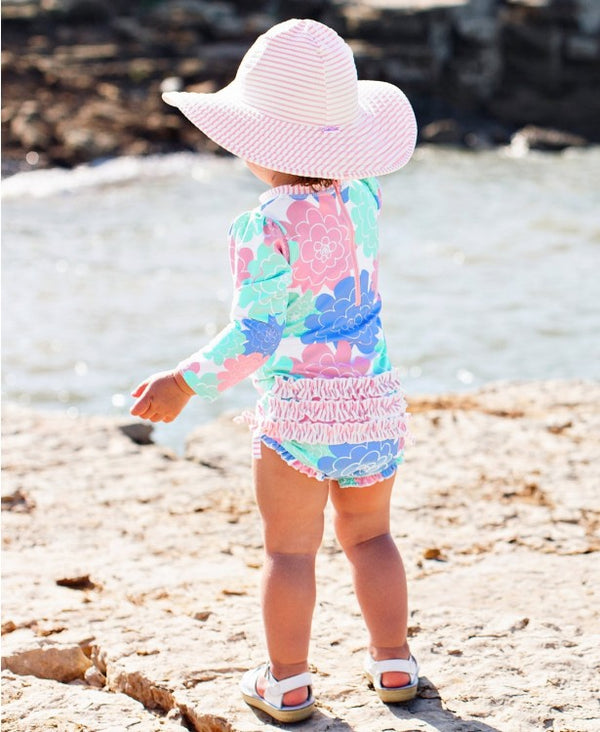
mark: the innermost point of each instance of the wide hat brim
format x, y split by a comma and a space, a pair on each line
380, 140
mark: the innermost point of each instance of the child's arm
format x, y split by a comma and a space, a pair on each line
262, 276
161, 397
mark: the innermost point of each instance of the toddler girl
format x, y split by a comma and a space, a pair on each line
330, 420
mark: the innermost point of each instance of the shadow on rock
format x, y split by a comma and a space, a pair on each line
318, 722
428, 707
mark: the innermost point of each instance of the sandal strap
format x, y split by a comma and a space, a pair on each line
406, 666
276, 689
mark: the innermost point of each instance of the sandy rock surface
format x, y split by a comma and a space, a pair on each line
130, 575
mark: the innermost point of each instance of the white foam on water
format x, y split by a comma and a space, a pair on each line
126, 169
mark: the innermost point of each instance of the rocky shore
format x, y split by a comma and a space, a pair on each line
130, 575
82, 78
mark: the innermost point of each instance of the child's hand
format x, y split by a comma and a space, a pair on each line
161, 397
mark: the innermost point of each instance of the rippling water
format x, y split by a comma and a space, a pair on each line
111, 272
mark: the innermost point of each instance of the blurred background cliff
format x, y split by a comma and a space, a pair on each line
82, 78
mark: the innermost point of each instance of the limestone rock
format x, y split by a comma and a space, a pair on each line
445, 131
39, 705
537, 138
499, 491
94, 677
30, 128
47, 661
139, 432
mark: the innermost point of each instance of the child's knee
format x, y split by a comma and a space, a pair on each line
302, 543
293, 564
353, 529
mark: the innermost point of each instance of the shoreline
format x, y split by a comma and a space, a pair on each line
517, 148
131, 570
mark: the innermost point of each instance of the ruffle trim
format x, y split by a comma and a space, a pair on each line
293, 190
332, 411
344, 482
315, 433
340, 387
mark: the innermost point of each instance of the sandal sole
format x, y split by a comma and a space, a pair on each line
281, 715
394, 695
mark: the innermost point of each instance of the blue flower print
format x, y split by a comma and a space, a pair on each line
340, 318
261, 337
366, 458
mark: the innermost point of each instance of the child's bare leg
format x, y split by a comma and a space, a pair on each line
362, 525
291, 506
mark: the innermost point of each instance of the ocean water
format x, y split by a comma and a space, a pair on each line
117, 270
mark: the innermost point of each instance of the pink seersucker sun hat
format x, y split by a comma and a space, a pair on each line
296, 106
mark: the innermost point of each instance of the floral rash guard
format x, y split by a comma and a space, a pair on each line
305, 321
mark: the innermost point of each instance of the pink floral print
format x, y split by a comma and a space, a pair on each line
323, 246
240, 259
238, 368
320, 359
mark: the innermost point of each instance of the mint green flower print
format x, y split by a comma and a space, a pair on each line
312, 452
364, 218
281, 364
299, 308
247, 226
263, 298
266, 263
227, 345
264, 294
205, 385
381, 362
294, 250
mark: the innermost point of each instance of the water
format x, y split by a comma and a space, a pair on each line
112, 272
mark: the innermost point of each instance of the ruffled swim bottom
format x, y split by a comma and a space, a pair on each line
349, 429
352, 465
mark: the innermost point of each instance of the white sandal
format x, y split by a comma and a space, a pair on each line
272, 702
390, 694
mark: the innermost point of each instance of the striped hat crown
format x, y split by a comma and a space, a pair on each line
301, 71
296, 106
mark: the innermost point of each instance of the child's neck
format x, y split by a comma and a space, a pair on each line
282, 179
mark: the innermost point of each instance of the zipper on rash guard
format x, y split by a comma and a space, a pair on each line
344, 213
